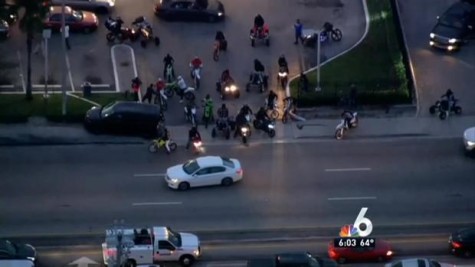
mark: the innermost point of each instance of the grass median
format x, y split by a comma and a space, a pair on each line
16, 109
375, 67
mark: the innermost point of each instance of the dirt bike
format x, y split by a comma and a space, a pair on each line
156, 144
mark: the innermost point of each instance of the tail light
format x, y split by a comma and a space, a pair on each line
456, 244
389, 253
332, 253
111, 253
239, 172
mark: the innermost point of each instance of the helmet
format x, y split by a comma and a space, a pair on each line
180, 78
223, 105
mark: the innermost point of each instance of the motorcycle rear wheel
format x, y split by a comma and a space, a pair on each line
339, 134
271, 133
458, 110
432, 109
274, 114
152, 148
173, 146
110, 37
442, 115
336, 35
169, 92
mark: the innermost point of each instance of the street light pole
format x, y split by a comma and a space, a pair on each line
46, 36
64, 71
318, 88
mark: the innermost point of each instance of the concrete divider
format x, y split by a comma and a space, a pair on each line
124, 67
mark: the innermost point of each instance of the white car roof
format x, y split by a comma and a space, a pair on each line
209, 161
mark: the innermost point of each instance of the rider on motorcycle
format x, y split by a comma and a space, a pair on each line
283, 63
241, 120
219, 37
196, 63
271, 98
347, 116
449, 99
182, 85
163, 135
193, 135
223, 112
262, 116
258, 22
226, 77
258, 66
160, 87
114, 25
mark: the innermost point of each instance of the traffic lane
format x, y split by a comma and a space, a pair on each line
186, 40
263, 192
435, 71
234, 253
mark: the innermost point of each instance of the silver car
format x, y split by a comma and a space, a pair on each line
99, 6
469, 141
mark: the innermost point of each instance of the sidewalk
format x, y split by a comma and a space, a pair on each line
40, 133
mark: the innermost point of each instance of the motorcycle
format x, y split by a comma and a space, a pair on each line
283, 76
223, 125
245, 133
343, 126
219, 45
162, 100
196, 76
289, 111
156, 144
258, 80
190, 113
172, 88
261, 33
274, 112
310, 37
266, 126
197, 146
169, 73
230, 88
122, 35
145, 30
444, 111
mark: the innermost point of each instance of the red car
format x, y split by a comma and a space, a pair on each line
381, 252
77, 20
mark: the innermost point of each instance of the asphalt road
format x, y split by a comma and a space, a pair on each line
435, 70
236, 254
83, 189
90, 55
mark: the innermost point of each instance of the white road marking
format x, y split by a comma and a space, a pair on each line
156, 203
351, 198
149, 174
348, 170
227, 264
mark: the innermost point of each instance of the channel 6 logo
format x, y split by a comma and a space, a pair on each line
355, 229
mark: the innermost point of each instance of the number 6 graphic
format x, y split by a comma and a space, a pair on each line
362, 220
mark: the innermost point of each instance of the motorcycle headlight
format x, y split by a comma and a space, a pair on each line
271, 126
220, 14
432, 35
244, 129
282, 74
226, 88
197, 143
233, 87
470, 143
452, 41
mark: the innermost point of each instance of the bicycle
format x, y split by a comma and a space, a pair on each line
156, 144
216, 50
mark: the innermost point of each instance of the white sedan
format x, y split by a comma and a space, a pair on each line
204, 171
418, 262
469, 140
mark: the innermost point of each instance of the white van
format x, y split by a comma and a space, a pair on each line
16, 263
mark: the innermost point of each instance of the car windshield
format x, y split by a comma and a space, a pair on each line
107, 110
452, 21
191, 166
174, 237
77, 15
227, 162
9, 247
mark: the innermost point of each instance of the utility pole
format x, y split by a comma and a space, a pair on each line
64, 71
46, 36
318, 88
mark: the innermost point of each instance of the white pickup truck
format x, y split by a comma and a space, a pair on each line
151, 246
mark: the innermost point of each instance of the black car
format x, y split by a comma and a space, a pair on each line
454, 27
124, 117
462, 242
182, 10
10, 250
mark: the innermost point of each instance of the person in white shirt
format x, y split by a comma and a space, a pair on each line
66, 36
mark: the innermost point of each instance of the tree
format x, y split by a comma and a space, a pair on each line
31, 22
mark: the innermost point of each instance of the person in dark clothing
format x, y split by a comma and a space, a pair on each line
167, 60
223, 117
347, 116
283, 62
258, 67
303, 82
136, 83
262, 116
193, 135
448, 99
271, 98
246, 110
258, 21
298, 28
241, 121
148, 94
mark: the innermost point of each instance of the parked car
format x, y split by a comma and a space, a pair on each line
124, 118
184, 10
381, 252
418, 262
204, 171
99, 6
469, 141
77, 20
4, 30
462, 242
454, 27
10, 250
8, 13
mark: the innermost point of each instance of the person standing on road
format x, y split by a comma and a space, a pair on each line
148, 94
167, 60
136, 83
66, 36
298, 27
303, 82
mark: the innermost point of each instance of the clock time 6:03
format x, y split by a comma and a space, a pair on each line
354, 242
